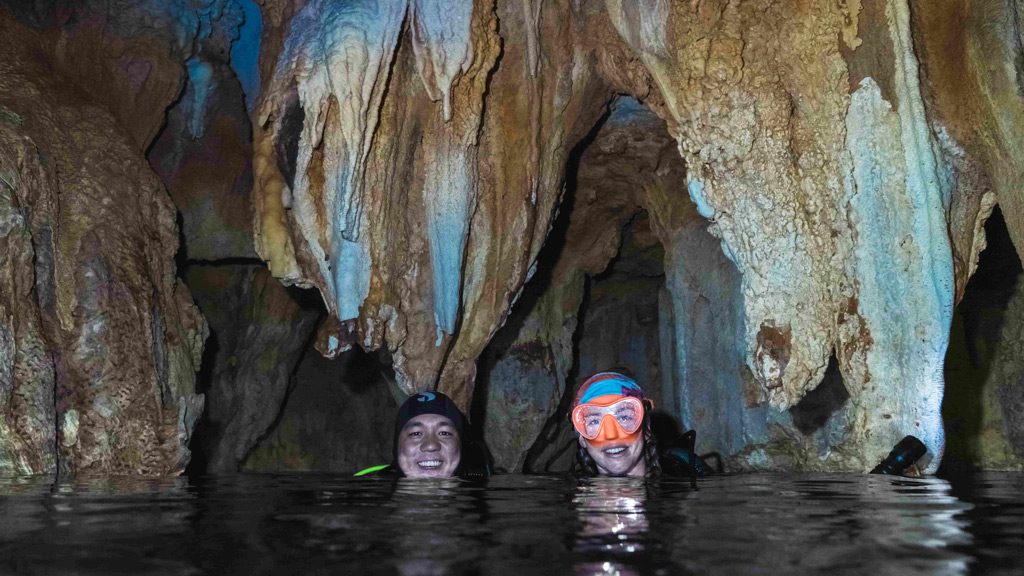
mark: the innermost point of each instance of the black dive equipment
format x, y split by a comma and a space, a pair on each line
902, 456
477, 462
680, 460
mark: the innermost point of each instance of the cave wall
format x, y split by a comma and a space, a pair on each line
407, 162
258, 332
203, 155
788, 121
534, 361
429, 145
620, 315
1001, 438
707, 384
339, 417
981, 409
106, 339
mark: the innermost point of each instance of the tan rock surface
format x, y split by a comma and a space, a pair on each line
808, 144
27, 379
409, 158
122, 330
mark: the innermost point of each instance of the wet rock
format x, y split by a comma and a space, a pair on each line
984, 394
972, 77
819, 184
259, 330
204, 157
128, 56
433, 281
123, 334
27, 379
339, 417
567, 325
789, 137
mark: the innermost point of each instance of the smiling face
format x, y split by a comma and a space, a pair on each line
616, 451
429, 447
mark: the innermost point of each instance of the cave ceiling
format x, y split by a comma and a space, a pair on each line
406, 159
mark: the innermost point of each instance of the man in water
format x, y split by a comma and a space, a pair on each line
428, 438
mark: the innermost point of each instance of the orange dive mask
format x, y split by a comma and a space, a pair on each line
608, 418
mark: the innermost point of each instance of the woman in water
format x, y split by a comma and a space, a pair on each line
612, 417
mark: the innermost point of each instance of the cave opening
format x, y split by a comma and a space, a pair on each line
274, 402
630, 278
814, 410
983, 400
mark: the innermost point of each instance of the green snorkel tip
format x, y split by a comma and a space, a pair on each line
371, 470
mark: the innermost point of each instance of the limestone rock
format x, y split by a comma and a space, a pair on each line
123, 333
259, 330
339, 417
981, 410
818, 178
434, 280
808, 145
204, 157
972, 76
27, 379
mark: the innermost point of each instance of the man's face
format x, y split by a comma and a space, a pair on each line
429, 447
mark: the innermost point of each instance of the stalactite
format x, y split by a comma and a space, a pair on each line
337, 58
409, 157
443, 46
449, 187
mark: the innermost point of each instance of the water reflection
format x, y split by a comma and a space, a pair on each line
91, 525
289, 524
851, 523
434, 525
613, 525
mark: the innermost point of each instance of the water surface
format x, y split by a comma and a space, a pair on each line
327, 524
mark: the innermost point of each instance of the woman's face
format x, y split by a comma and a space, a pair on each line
429, 447
617, 454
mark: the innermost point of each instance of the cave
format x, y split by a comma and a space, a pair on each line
246, 231
983, 393
600, 299
241, 240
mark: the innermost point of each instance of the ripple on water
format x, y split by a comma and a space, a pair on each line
313, 523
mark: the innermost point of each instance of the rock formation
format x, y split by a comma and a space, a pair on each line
808, 145
259, 330
815, 177
101, 340
338, 417
981, 409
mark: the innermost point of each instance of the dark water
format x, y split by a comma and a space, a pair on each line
291, 524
